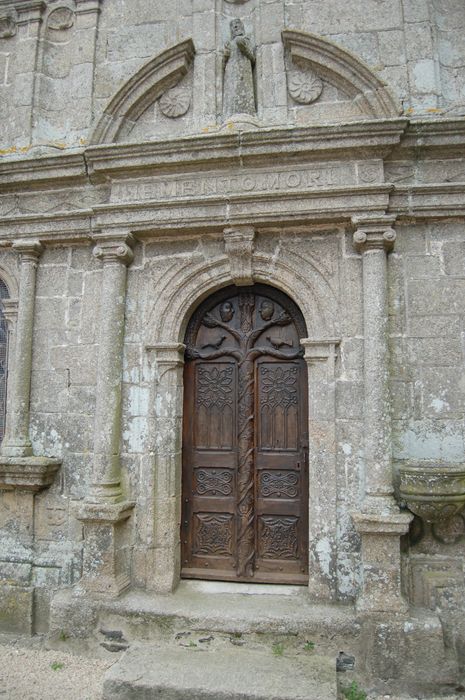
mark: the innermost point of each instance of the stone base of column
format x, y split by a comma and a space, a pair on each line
27, 473
380, 536
106, 549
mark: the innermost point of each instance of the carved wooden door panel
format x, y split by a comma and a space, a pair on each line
245, 475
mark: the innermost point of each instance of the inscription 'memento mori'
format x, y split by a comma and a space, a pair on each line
214, 185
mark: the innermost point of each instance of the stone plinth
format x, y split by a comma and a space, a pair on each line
381, 584
106, 559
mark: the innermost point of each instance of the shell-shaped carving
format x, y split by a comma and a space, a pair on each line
304, 87
7, 27
175, 102
60, 18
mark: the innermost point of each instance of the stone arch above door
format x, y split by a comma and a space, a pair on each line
181, 290
315, 64
152, 80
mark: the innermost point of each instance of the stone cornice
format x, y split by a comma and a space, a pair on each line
27, 473
43, 171
140, 177
376, 138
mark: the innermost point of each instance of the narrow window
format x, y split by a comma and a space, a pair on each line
4, 294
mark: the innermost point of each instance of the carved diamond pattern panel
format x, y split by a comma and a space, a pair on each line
213, 482
278, 537
276, 484
213, 534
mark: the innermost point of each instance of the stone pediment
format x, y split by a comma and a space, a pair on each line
154, 79
321, 72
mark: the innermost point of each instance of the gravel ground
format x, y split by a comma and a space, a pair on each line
28, 672
33, 674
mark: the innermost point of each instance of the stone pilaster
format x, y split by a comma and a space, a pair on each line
17, 442
22, 474
104, 511
19, 468
379, 522
164, 565
320, 356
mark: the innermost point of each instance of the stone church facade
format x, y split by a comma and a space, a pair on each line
309, 160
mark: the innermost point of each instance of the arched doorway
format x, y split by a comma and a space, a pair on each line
245, 443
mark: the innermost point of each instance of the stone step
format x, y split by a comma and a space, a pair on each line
264, 617
221, 673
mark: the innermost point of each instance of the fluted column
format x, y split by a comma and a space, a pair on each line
105, 510
378, 522
17, 442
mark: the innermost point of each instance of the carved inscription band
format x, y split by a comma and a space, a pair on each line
209, 185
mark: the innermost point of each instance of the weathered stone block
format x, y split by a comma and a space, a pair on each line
16, 609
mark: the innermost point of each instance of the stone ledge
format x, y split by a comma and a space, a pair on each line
381, 523
27, 473
104, 512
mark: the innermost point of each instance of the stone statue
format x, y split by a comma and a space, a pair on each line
238, 63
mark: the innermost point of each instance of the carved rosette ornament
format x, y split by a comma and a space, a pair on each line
304, 87
175, 102
60, 19
7, 27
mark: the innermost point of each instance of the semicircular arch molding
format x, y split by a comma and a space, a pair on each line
170, 314
342, 69
10, 281
142, 90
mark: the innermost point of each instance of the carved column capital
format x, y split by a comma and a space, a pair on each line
239, 248
10, 311
114, 248
30, 11
167, 354
29, 250
373, 233
319, 350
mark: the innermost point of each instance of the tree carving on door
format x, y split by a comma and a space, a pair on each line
244, 456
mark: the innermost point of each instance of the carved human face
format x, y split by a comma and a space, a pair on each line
237, 28
266, 310
226, 311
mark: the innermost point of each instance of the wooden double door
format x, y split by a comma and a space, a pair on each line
245, 473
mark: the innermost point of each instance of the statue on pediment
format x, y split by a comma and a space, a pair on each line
238, 64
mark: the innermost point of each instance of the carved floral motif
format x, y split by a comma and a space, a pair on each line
214, 387
304, 86
175, 102
279, 387
213, 534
